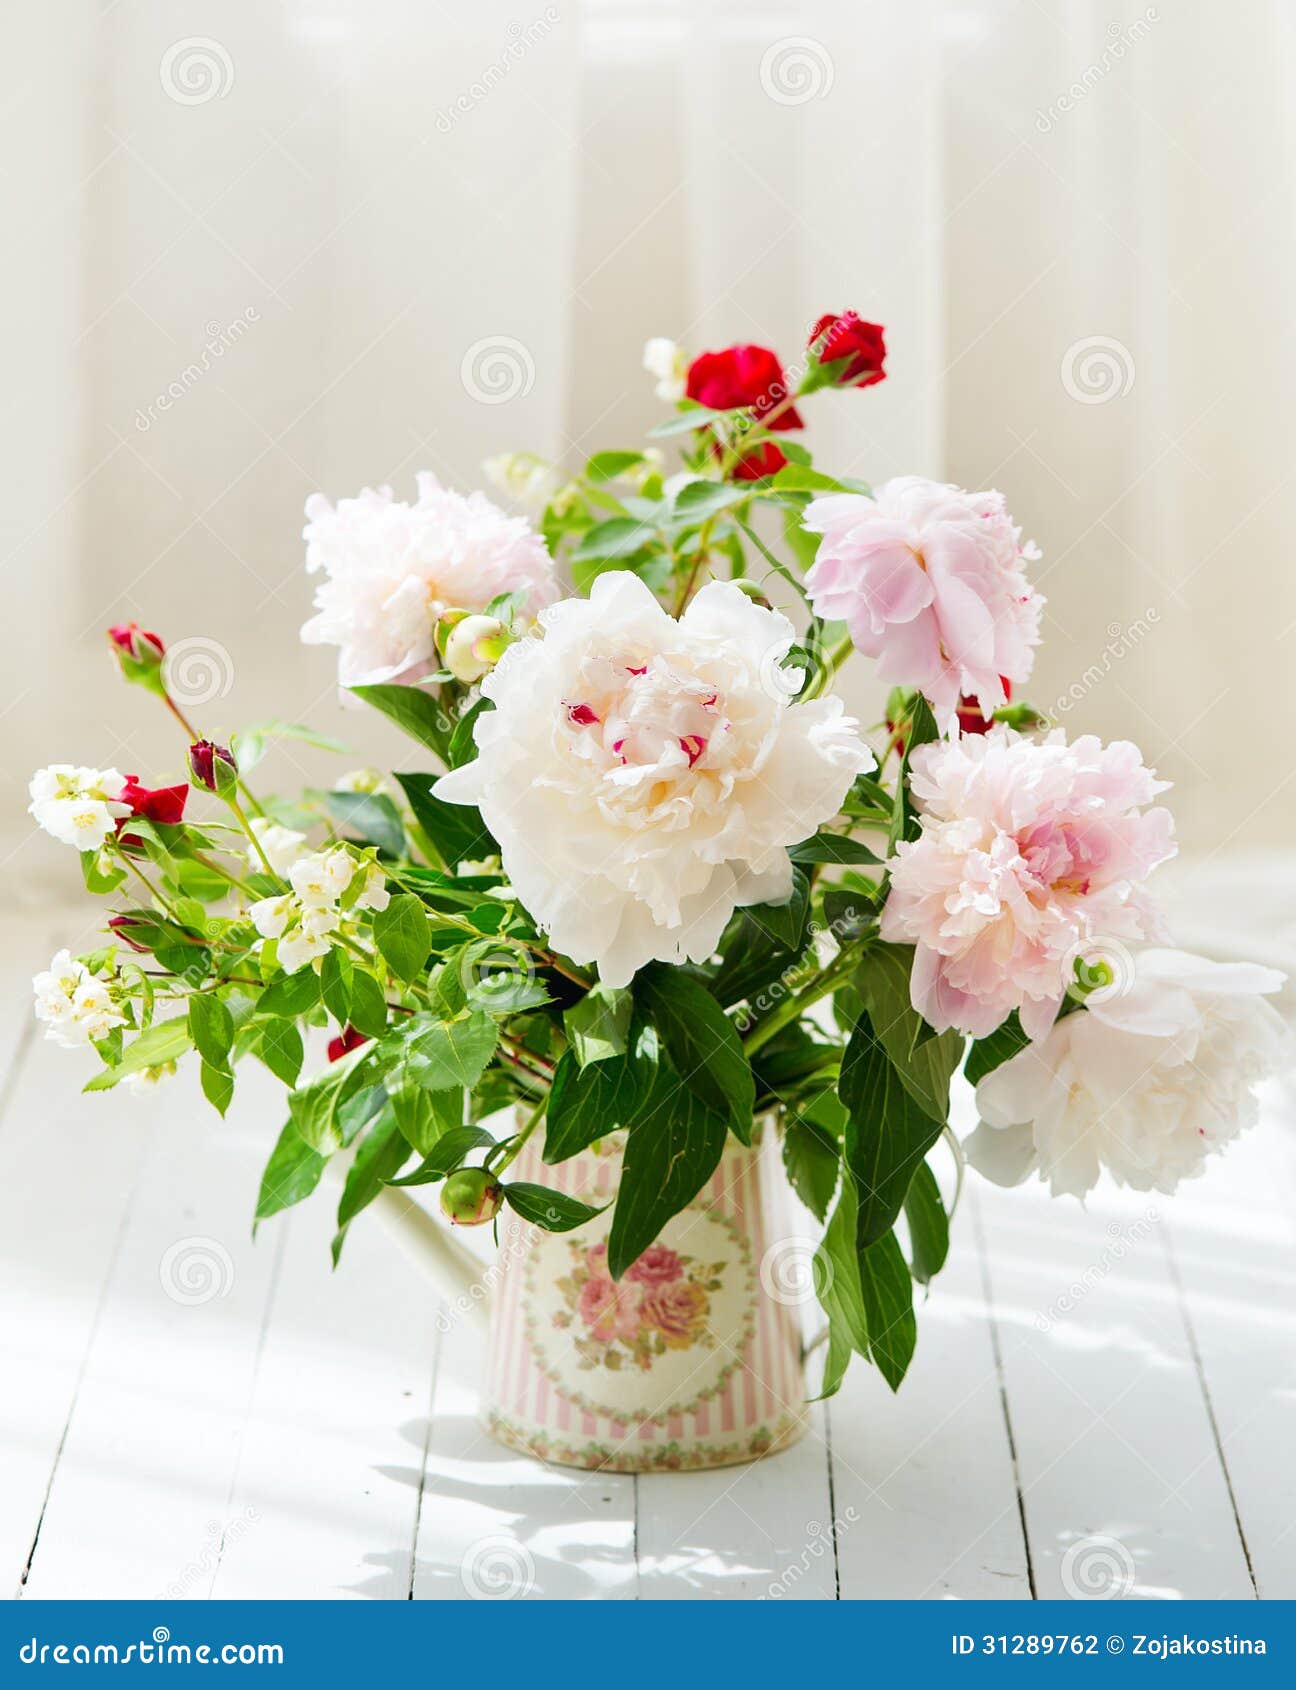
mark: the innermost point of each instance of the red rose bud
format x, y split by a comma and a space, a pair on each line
155, 803
347, 1041
131, 930
139, 655
213, 767
742, 377
471, 1197
856, 348
970, 719
762, 460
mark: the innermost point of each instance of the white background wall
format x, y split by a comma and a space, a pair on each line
362, 198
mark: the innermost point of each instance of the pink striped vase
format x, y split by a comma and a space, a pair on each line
693, 1359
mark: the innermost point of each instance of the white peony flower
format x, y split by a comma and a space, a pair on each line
644, 776
75, 1005
1150, 1077
78, 806
282, 845
669, 363
392, 569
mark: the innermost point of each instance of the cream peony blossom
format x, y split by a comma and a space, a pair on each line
79, 806
392, 569
645, 776
1145, 1081
930, 581
1029, 852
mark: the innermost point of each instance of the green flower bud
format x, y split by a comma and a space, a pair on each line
471, 1197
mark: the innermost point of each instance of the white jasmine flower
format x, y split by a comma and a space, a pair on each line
79, 806
282, 845
318, 922
645, 776
363, 780
271, 916
1151, 1076
147, 1080
669, 363
523, 477
393, 569
298, 948
374, 894
75, 1005
321, 878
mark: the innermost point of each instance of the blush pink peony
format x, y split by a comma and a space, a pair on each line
929, 580
1030, 853
392, 569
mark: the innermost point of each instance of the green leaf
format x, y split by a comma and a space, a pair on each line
293, 1172
888, 1300
164, 1041
812, 1158
702, 1043
591, 1102
292, 995
415, 711
888, 1132
928, 1224
280, 1048
837, 1283
331, 1108
698, 500
606, 466
447, 1153
826, 847
456, 830
250, 744
598, 1025
674, 1146
691, 417
378, 1160
368, 1005
440, 1054
923, 1060
337, 972
402, 937
100, 877
463, 744
211, 1027
218, 1086
555, 1211
776, 563
784, 924
993, 1051
424, 1117
372, 815
921, 730
760, 944
617, 539
797, 478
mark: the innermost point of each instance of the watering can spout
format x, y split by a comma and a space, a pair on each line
457, 1275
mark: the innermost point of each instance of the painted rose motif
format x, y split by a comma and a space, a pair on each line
663, 1303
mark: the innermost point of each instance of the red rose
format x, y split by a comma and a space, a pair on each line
848, 336
347, 1040
742, 377
156, 804
762, 460
970, 719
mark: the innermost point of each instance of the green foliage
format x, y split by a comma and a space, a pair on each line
985, 1055
701, 1042
923, 1059
402, 936
555, 1211
674, 1146
888, 1132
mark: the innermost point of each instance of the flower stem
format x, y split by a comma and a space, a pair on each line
246, 825
516, 1143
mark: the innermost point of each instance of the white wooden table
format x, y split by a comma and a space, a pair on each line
1097, 1394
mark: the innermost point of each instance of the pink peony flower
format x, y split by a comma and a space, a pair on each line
929, 580
1030, 852
657, 1266
610, 1310
392, 569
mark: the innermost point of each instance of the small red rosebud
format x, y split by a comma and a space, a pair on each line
471, 1197
136, 642
213, 767
125, 927
347, 1041
762, 460
837, 336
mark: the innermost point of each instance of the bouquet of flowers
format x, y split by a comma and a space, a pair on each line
646, 876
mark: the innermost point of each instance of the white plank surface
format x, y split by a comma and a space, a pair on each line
1118, 1382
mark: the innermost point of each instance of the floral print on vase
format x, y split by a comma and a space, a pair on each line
662, 1303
